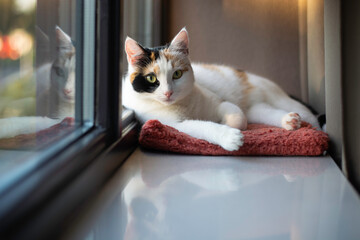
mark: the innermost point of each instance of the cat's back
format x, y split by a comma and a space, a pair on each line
227, 82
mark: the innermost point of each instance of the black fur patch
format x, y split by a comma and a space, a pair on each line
146, 57
140, 84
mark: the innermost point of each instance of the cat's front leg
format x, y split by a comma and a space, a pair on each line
228, 138
13, 126
232, 115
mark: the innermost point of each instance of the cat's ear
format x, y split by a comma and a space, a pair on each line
63, 40
180, 43
133, 50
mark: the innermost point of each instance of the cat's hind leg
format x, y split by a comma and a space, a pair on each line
267, 114
288, 104
232, 116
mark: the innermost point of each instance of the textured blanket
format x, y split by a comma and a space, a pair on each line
259, 139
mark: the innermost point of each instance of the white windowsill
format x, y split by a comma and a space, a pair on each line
167, 196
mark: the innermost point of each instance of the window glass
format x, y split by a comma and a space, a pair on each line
41, 84
37, 72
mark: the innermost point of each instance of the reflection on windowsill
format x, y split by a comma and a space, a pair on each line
39, 139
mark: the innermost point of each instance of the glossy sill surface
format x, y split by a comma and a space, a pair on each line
163, 196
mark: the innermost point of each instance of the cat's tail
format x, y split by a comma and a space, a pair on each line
13, 126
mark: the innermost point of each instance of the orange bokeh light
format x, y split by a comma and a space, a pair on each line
6, 51
16, 44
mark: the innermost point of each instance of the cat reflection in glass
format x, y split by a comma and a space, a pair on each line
210, 102
56, 97
55, 92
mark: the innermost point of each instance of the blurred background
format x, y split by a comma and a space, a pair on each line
17, 45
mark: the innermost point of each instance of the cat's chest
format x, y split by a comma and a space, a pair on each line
198, 105
146, 110
194, 109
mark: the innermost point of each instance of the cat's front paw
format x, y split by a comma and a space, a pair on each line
291, 121
231, 139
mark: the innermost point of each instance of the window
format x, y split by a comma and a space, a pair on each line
42, 86
59, 59
40, 82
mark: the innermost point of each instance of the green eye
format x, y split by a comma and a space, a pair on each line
177, 74
151, 78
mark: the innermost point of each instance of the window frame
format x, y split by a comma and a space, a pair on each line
32, 202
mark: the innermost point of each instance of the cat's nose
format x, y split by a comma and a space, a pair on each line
66, 91
168, 94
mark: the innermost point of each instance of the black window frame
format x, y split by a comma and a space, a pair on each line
39, 204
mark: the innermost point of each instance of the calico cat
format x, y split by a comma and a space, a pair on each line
210, 102
56, 81
55, 92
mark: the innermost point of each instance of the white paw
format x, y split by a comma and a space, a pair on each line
230, 138
291, 121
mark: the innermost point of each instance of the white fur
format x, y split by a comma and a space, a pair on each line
215, 99
10, 127
51, 101
189, 106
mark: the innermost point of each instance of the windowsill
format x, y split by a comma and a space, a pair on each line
16, 164
204, 197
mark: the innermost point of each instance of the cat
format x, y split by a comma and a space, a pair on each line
209, 102
55, 92
56, 81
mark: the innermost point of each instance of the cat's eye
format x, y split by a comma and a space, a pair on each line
60, 72
151, 78
177, 74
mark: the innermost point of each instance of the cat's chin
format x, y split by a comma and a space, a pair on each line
68, 99
168, 101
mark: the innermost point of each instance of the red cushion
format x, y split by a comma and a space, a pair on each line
259, 139
39, 139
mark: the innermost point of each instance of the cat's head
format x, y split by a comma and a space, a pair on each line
63, 68
163, 73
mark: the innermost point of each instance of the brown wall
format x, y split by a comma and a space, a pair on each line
261, 36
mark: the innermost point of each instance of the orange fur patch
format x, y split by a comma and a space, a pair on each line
71, 53
183, 64
216, 68
152, 56
157, 70
211, 67
168, 55
177, 61
153, 67
133, 76
247, 86
244, 80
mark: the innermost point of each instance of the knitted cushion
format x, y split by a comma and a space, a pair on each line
259, 139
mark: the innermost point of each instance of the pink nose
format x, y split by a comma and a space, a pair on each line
66, 91
168, 94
